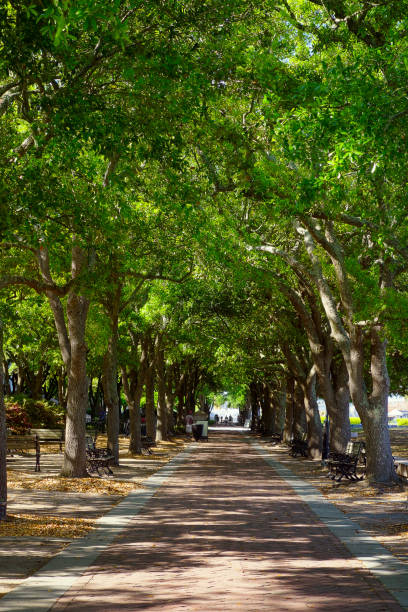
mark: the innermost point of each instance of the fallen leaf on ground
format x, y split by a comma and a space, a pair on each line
101, 486
19, 525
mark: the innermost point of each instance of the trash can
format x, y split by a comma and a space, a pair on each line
197, 431
201, 418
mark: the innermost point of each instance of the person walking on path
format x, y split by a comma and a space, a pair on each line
189, 423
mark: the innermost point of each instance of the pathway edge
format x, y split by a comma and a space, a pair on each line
374, 556
40, 591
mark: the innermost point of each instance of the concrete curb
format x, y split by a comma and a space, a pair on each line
40, 591
378, 560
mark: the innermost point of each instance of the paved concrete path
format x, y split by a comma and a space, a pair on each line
225, 531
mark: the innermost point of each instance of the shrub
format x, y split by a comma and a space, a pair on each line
43, 414
38, 412
17, 420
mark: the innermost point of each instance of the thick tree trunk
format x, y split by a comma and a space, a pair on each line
161, 428
314, 425
340, 430
62, 388
289, 415
6, 385
380, 464
73, 348
268, 412
74, 464
3, 436
133, 389
372, 410
279, 398
37, 382
254, 406
138, 381
299, 414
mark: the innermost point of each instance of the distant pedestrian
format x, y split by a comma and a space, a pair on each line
189, 423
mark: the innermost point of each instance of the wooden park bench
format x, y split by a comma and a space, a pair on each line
346, 464
147, 444
21, 444
50, 436
298, 446
92, 432
98, 459
276, 437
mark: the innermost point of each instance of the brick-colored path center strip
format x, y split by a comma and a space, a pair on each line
225, 532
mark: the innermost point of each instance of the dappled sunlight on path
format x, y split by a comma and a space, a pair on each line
225, 532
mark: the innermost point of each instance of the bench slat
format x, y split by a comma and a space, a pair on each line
20, 443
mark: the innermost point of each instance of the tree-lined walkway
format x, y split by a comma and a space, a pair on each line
225, 532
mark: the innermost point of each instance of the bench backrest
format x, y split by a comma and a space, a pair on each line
354, 448
19, 442
49, 434
92, 432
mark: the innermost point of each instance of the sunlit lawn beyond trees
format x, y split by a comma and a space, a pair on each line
199, 197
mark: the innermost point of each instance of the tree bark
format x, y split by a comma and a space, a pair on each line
314, 425
340, 430
380, 463
289, 415
74, 464
73, 350
299, 415
267, 411
372, 410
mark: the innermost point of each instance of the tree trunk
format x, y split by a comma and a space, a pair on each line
161, 428
279, 399
299, 414
254, 406
62, 388
267, 411
6, 383
138, 381
380, 464
150, 408
3, 436
133, 389
37, 382
289, 415
74, 464
340, 430
372, 410
314, 425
